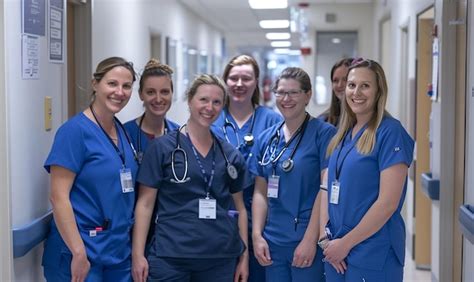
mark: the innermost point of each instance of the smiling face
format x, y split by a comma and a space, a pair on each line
339, 80
291, 106
157, 95
242, 83
113, 90
206, 104
361, 92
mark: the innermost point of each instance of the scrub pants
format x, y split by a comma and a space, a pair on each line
392, 271
256, 271
191, 270
282, 271
97, 273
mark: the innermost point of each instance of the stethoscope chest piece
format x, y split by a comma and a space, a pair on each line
232, 171
248, 139
287, 165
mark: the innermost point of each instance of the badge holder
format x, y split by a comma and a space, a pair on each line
207, 208
126, 180
335, 186
273, 184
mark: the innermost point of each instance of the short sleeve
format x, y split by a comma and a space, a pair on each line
68, 149
244, 179
150, 172
396, 146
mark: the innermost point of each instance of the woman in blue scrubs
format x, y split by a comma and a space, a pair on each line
93, 167
338, 86
156, 92
290, 158
194, 177
239, 124
370, 156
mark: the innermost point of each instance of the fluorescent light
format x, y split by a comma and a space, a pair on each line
268, 4
274, 23
272, 64
280, 43
294, 53
336, 40
278, 35
281, 50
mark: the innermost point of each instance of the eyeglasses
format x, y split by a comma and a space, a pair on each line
291, 93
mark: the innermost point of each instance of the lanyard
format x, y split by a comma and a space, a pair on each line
139, 137
120, 154
209, 180
354, 141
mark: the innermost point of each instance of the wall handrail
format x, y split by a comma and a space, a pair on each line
466, 222
430, 186
28, 236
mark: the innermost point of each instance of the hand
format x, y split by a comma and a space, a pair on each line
242, 269
340, 267
80, 267
304, 254
139, 268
336, 251
262, 251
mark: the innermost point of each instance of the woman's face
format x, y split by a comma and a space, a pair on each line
157, 95
113, 91
291, 100
339, 80
361, 91
206, 104
242, 83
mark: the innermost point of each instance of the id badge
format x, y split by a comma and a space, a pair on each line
126, 180
207, 208
335, 192
272, 188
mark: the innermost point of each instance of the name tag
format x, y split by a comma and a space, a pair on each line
126, 180
272, 187
207, 208
334, 199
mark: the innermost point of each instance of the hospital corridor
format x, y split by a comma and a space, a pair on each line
277, 116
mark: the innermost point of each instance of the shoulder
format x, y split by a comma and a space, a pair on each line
266, 113
172, 125
131, 124
392, 128
74, 125
321, 127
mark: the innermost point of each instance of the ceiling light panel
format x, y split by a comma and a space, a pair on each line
274, 23
278, 35
282, 44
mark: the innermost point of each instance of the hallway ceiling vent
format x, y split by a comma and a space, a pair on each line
330, 17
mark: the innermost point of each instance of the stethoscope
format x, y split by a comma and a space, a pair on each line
139, 137
271, 148
248, 137
231, 170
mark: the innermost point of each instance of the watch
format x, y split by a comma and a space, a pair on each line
323, 242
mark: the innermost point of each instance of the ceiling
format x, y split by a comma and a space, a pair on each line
239, 22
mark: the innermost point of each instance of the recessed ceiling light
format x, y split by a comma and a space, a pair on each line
294, 53
268, 4
278, 35
280, 43
336, 40
274, 23
281, 50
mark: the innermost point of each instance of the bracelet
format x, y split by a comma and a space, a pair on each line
322, 243
323, 187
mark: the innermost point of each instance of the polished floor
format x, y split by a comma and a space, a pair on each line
411, 274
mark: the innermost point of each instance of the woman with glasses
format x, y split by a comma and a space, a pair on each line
367, 172
338, 86
93, 166
241, 120
290, 158
194, 177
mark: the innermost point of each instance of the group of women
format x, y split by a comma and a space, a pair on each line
238, 192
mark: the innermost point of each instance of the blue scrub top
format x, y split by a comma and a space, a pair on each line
359, 188
264, 118
82, 147
299, 187
133, 131
179, 233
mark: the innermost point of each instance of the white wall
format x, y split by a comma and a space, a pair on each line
28, 143
125, 30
